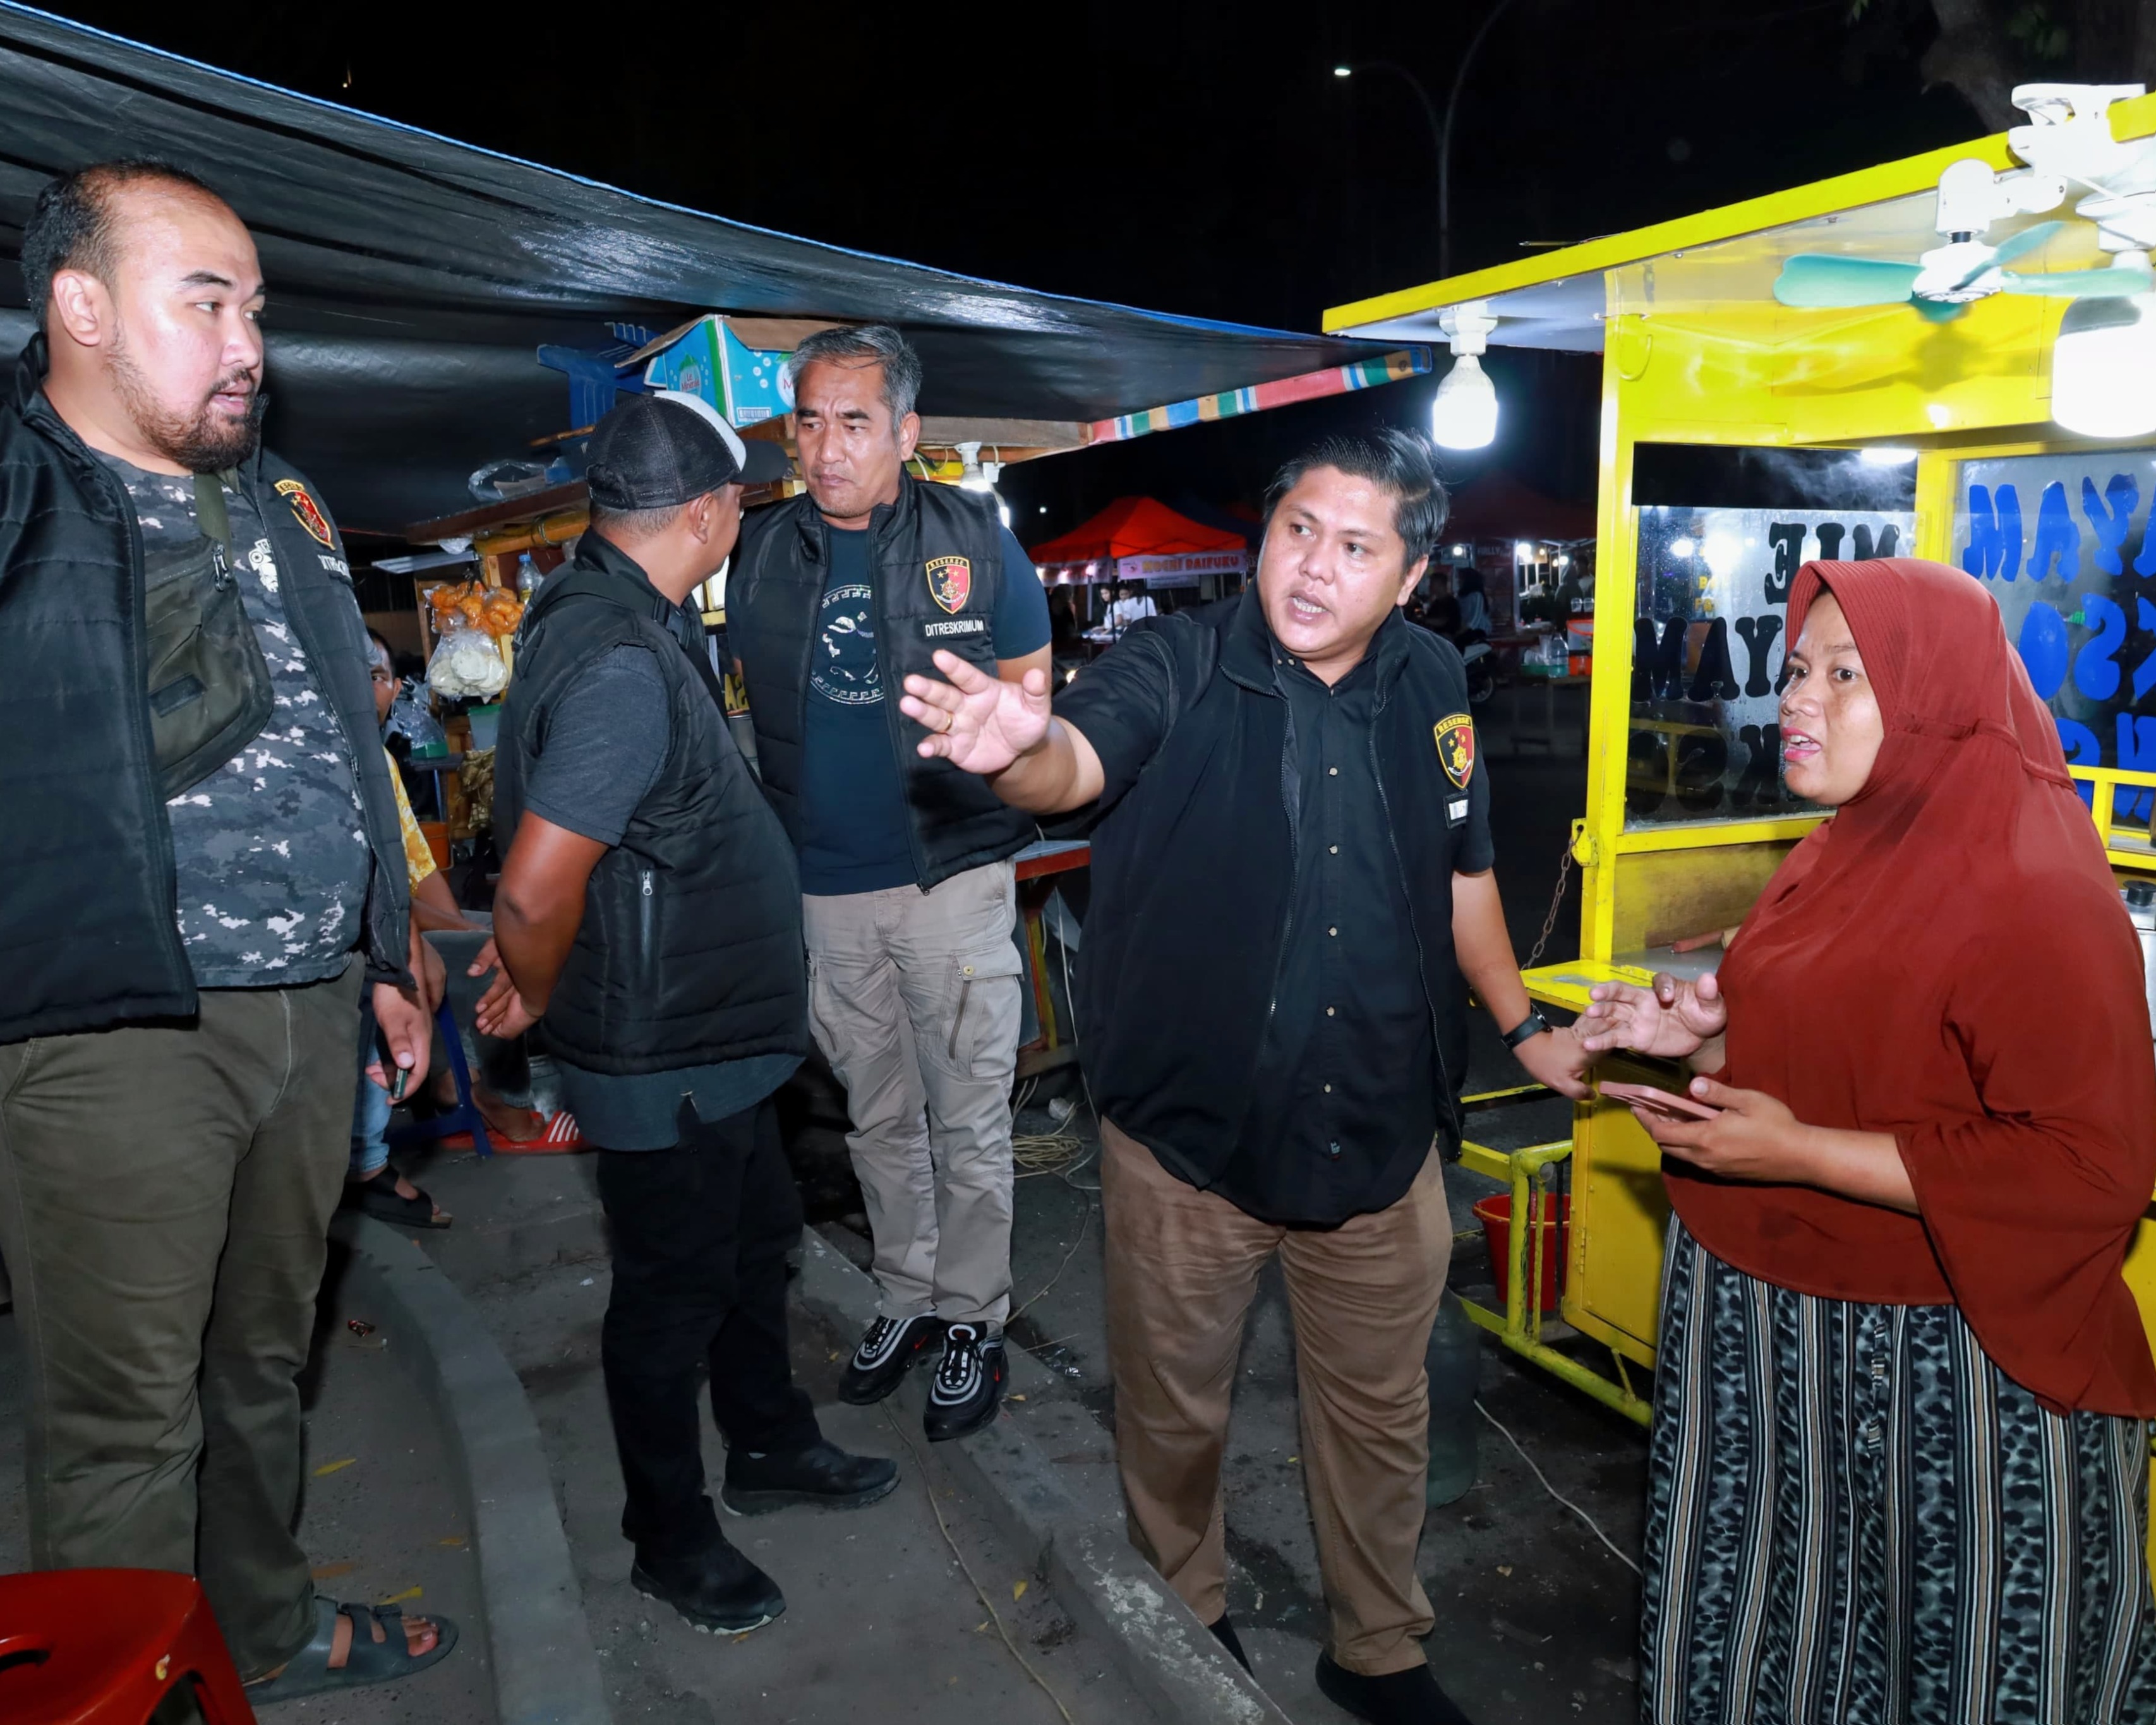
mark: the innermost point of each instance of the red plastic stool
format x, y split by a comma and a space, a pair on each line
107, 1646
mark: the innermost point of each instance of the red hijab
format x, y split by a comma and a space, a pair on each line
1947, 960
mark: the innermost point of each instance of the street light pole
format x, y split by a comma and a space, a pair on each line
1444, 142
1441, 131
1437, 132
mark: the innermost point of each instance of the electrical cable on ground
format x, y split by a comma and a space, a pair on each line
1594, 1525
920, 1469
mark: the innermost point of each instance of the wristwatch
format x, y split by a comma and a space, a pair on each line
1533, 1025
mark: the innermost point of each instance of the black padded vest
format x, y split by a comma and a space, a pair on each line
936, 562
690, 952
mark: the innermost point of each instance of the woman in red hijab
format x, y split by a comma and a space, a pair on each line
1900, 1452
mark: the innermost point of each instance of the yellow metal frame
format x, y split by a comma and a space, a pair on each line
1696, 350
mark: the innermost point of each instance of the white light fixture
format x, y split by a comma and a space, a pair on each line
1884, 455
1465, 416
1343, 71
1459, 550
1563, 560
1681, 548
2104, 366
1523, 553
979, 475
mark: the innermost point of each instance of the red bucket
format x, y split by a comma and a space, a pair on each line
1553, 1212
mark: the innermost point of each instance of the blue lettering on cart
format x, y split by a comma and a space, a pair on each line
2043, 647
1995, 534
2096, 671
2137, 752
2058, 548
2122, 497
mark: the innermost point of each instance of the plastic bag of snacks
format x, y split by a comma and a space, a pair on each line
466, 663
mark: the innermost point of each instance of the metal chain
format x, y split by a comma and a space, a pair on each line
1556, 901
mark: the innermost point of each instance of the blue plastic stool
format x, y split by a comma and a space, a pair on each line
465, 1116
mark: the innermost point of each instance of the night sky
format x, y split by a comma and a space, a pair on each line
1186, 158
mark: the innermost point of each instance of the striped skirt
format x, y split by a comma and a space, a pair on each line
1855, 1518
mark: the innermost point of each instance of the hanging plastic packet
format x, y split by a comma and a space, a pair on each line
466, 663
409, 718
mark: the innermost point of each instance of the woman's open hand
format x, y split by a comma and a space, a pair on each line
1668, 1020
1754, 1137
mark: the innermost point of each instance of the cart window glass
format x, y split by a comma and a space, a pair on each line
1708, 640
2063, 543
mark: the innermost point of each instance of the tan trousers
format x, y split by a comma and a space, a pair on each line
1183, 1268
913, 997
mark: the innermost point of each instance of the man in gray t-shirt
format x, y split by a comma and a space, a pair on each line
607, 740
648, 911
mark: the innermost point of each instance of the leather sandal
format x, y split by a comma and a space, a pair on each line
377, 1196
379, 1653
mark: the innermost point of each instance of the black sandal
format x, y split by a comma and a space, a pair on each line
369, 1662
377, 1196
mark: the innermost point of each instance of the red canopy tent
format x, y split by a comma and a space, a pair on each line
1138, 539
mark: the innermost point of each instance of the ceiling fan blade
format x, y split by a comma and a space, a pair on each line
1819, 280
2110, 284
2027, 241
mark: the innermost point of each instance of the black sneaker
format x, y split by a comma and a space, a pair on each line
1408, 1697
888, 1352
968, 1384
718, 1588
822, 1474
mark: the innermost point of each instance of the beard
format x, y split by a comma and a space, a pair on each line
205, 441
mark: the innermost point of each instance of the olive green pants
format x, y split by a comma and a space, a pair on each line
165, 1198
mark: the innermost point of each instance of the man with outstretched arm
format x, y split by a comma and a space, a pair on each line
1292, 866
648, 909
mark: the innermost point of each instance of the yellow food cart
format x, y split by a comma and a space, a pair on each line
1740, 436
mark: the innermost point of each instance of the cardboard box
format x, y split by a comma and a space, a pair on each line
708, 359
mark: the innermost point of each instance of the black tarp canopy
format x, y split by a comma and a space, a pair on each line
412, 277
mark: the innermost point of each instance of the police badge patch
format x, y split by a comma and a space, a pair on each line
950, 580
1455, 747
304, 509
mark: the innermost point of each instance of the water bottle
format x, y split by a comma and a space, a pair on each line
1454, 1360
528, 578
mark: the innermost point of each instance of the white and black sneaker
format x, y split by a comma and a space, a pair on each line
968, 1384
888, 1352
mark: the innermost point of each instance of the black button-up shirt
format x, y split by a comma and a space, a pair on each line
1347, 1101
1268, 999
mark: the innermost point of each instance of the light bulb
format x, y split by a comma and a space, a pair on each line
1681, 548
1885, 455
1724, 555
1522, 553
2104, 368
1466, 415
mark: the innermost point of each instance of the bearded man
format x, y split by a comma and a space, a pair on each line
204, 871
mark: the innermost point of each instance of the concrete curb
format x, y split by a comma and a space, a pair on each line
539, 1645
1161, 1648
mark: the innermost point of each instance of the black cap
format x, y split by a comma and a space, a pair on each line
655, 451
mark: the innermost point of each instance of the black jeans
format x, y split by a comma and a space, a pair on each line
700, 1234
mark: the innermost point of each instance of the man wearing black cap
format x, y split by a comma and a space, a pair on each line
650, 911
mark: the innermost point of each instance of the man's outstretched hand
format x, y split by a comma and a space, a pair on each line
977, 721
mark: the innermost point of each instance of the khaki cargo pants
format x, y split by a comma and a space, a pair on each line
165, 1197
913, 997
1182, 1269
